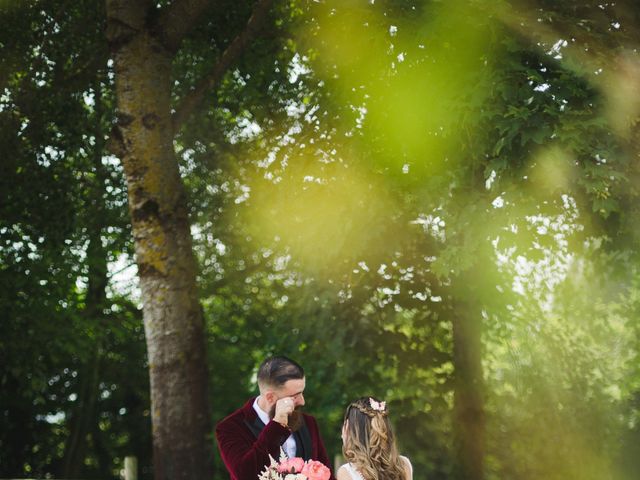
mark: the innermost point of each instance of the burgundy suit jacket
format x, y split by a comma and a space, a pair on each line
245, 442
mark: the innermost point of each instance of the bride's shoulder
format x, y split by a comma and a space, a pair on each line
344, 472
407, 465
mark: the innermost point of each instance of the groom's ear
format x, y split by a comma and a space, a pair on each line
270, 396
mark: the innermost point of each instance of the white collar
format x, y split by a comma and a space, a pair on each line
264, 416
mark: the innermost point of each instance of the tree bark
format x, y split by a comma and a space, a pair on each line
469, 413
173, 321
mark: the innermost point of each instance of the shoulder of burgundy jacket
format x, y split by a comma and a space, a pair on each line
242, 434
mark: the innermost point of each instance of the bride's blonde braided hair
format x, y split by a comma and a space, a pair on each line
371, 408
369, 442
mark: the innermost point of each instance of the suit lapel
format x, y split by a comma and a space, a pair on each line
251, 418
303, 442
302, 437
256, 426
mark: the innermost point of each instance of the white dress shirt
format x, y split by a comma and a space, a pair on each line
289, 445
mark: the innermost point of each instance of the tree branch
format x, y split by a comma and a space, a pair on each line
233, 52
177, 19
124, 20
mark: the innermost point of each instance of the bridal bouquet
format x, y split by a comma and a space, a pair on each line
294, 469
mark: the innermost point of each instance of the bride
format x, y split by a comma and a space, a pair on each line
369, 446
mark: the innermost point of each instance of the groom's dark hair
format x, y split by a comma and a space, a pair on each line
276, 371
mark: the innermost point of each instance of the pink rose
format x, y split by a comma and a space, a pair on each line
291, 465
315, 470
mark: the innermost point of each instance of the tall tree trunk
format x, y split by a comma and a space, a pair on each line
469, 413
82, 420
84, 416
21, 431
173, 321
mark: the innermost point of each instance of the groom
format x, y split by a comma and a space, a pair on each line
266, 423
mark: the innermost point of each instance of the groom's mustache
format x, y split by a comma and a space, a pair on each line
295, 419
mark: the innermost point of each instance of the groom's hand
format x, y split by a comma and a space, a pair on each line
284, 407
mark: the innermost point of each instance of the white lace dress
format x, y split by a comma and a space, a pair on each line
355, 474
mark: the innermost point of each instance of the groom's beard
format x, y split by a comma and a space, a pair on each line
295, 419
